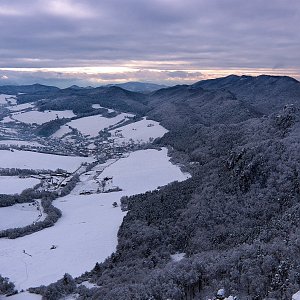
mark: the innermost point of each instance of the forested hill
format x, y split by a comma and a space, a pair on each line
30, 89
81, 100
187, 105
231, 99
226, 100
265, 93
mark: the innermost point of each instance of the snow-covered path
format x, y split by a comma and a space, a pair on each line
87, 232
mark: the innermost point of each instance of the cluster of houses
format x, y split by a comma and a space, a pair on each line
53, 181
104, 185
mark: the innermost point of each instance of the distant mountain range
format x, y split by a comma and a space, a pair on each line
226, 100
223, 100
141, 87
30, 89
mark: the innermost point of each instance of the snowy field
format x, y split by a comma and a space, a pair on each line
296, 296
39, 161
93, 124
21, 106
11, 99
87, 231
61, 131
14, 185
20, 143
5, 98
151, 168
7, 119
140, 131
40, 117
22, 296
89, 181
177, 257
19, 215
96, 106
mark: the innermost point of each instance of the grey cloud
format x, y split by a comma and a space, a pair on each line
187, 75
56, 79
66, 79
200, 33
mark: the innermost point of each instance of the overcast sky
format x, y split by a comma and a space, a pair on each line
94, 42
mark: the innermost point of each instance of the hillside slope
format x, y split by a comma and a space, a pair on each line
235, 220
264, 93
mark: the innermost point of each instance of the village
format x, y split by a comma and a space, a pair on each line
73, 179
107, 145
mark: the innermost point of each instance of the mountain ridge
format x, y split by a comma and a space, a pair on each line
136, 86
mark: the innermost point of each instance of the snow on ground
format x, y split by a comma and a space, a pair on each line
14, 185
39, 161
20, 215
87, 231
96, 106
8, 130
88, 284
21, 106
140, 131
93, 124
12, 100
7, 119
91, 146
151, 167
40, 117
296, 296
22, 296
177, 256
61, 131
20, 143
90, 181
5, 98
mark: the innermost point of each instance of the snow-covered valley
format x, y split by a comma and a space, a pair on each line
86, 233
88, 226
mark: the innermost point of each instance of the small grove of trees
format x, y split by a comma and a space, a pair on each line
48, 128
6, 287
22, 172
57, 290
70, 185
26, 196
